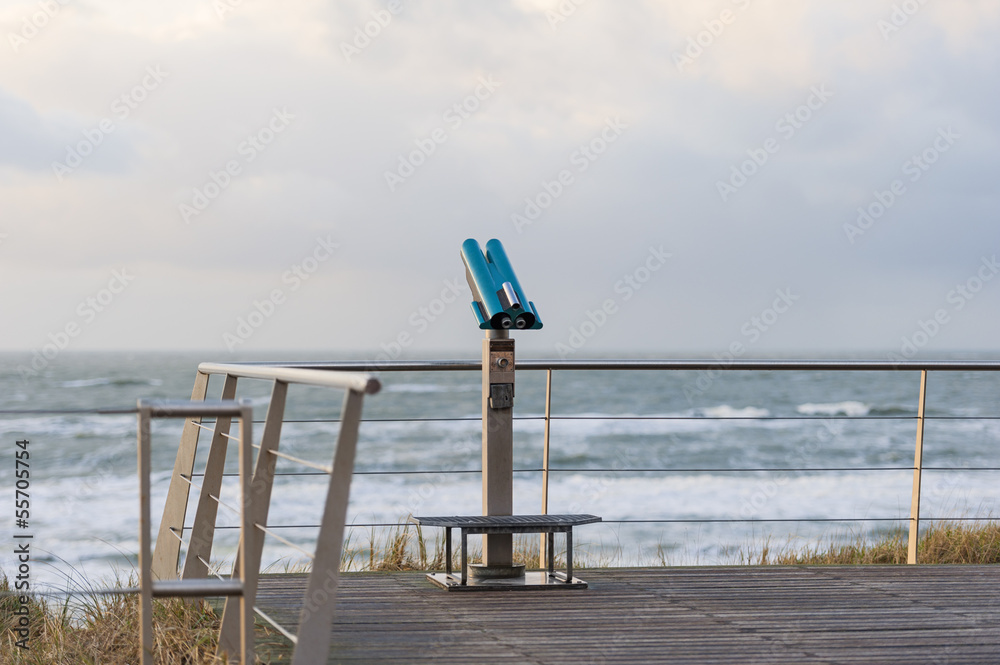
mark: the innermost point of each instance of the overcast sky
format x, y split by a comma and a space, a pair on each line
683, 177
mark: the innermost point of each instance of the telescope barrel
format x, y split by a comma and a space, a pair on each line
481, 282
496, 255
499, 301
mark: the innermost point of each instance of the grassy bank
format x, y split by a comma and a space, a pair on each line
944, 543
104, 629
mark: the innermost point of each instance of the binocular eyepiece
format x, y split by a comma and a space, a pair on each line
499, 301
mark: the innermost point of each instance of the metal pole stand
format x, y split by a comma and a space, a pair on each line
498, 454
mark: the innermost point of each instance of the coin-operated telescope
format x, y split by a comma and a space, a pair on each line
500, 307
499, 302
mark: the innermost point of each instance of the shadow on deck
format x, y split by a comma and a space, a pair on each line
812, 614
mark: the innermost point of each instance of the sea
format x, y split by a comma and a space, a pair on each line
684, 467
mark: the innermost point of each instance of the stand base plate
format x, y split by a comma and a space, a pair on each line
533, 580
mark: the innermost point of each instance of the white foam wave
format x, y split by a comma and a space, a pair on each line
86, 383
726, 411
848, 408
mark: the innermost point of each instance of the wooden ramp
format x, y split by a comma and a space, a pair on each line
941, 615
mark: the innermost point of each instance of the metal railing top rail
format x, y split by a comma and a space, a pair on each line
289, 373
649, 364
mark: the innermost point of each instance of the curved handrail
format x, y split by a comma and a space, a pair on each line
359, 381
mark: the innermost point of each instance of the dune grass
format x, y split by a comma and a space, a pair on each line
942, 543
104, 629
91, 628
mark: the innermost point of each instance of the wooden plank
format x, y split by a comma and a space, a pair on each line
865, 614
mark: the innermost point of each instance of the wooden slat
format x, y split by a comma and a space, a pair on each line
863, 614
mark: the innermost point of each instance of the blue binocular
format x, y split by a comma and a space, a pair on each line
499, 300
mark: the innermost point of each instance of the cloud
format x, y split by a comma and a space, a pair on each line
27, 140
355, 115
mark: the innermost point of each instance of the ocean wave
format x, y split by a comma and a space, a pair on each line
892, 410
105, 381
849, 408
427, 388
726, 411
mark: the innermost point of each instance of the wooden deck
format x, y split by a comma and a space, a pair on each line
943, 615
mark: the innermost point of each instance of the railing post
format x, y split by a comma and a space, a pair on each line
203, 527
166, 556
543, 541
498, 445
246, 648
319, 602
911, 550
256, 506
145, 571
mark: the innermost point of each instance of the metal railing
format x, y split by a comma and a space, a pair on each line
240, 639
922, 368
313, 633
312, 637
